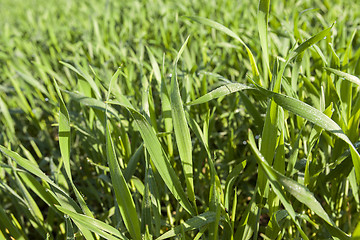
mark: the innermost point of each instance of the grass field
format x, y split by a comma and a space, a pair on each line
184, 120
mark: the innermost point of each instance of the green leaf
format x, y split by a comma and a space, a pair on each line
64, 133
262, 22
191, 224
344, 75
122, 192
181, 130
300, 192
159, 158
86, 76
96, 226
220, 92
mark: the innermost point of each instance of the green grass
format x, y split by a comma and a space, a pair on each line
201, 120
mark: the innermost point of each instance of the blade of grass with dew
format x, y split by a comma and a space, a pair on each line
123, 196
299, 108
300, 192
181, 129
220, 92
227, 31
317, 117
198, 221
343, 75
94, 225
158, 157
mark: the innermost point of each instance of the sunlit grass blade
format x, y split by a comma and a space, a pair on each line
181, 129
65, 142
317, 117
198, 221
159, 158
344, 75
64, 133
220, 92
299, 50
92, 102
93, 225
300, 192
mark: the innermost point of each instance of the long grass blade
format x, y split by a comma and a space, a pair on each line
181, 129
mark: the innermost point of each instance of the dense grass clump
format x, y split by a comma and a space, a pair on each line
184, 120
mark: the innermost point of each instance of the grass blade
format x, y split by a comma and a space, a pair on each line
198, 221
159, 158
220, 92
300, 192
96, 226
122, 192
344, 75
181, 130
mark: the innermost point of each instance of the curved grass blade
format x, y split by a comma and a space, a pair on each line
92, 102
198, 221
317, 117
344, 75
122, 192
63, 198
295, 106
94, 225
300, 192
227, 31
300, 49
86, 76
220, 92
181, 129
158, 157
